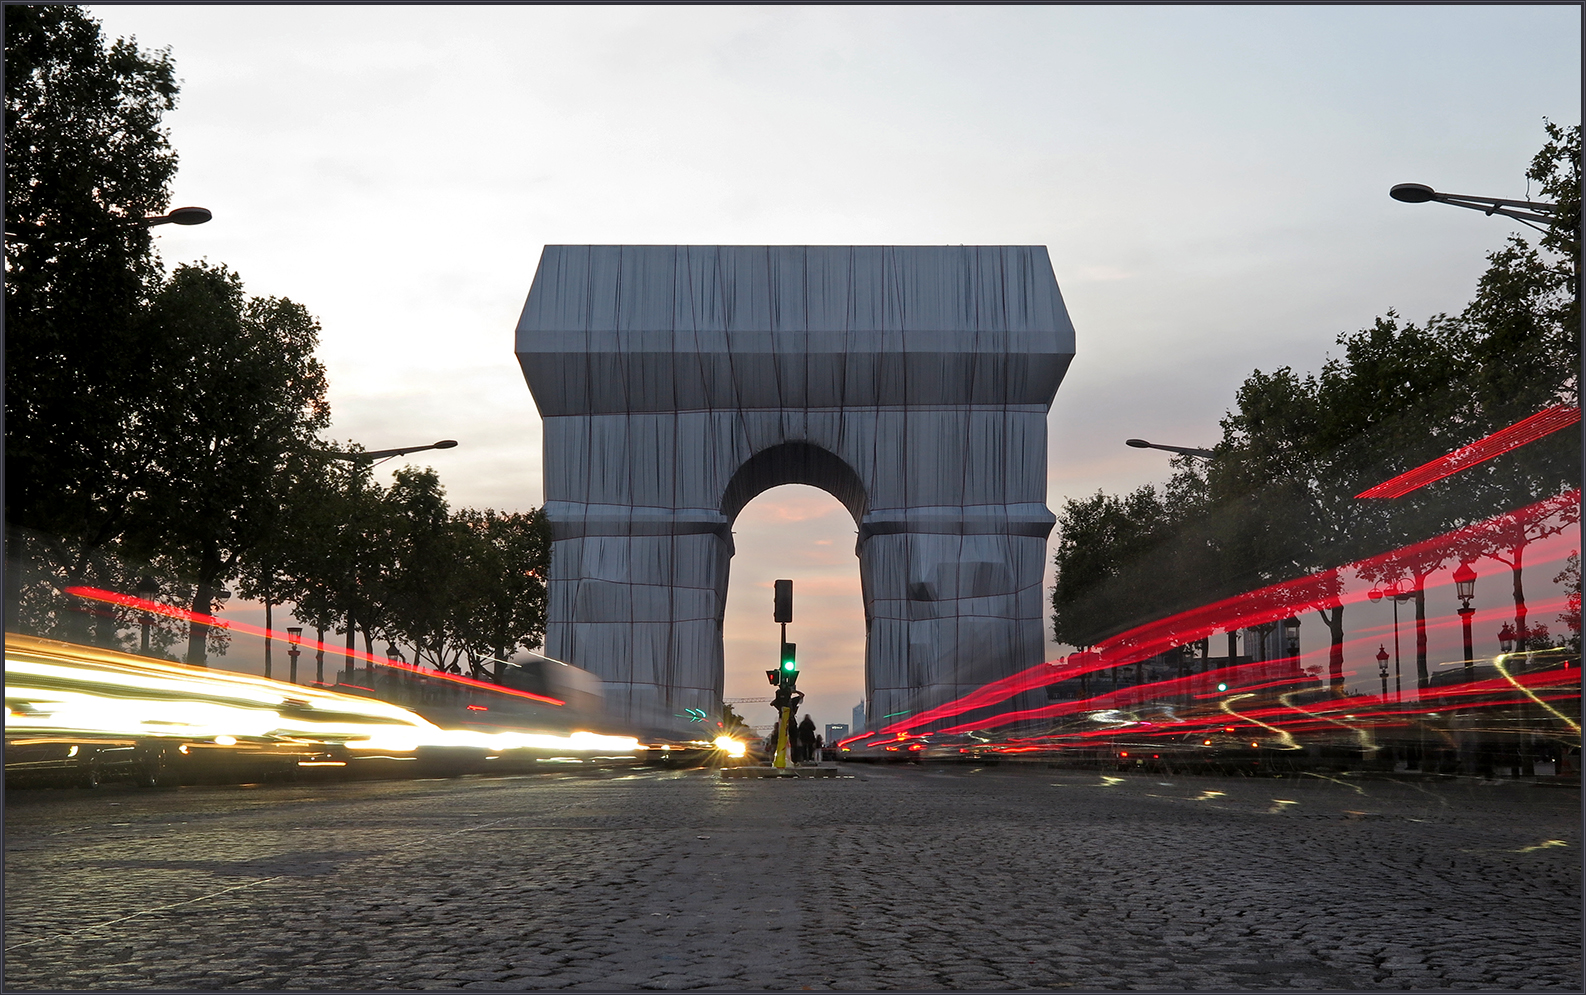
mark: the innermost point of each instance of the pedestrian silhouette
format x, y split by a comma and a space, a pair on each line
806, 730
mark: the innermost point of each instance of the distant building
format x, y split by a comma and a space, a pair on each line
859, 719
835, 731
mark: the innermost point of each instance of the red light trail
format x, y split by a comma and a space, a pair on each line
184, 615
1521, 432
1267, 604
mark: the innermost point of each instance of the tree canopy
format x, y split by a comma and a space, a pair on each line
165, 428
1279, 500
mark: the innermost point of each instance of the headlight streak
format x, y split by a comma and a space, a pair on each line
1360, 731
83, 691
1545, 844
1500, 663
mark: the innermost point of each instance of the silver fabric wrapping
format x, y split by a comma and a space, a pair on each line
911, 382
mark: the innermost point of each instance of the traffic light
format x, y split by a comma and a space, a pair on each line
789, 658
774, 676
784, 602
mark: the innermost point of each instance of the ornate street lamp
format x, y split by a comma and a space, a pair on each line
294, 639
1465, 589
1399, 597
1506, 638
1291, 636
1382, 668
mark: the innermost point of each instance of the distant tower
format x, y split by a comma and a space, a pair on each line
859, 719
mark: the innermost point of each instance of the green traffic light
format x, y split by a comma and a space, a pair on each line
789, 655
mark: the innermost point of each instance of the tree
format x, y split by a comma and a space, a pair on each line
307, 548
85, 153
1281, 499
1570, 578
240, 389
503, 588
733, 724
427, 571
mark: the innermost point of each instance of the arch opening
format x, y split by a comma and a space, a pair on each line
803, 533
795, 463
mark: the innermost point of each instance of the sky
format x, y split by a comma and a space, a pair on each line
1211, 184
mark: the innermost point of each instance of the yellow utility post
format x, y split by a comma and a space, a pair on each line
785, 676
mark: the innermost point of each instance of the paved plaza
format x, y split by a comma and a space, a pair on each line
900, 877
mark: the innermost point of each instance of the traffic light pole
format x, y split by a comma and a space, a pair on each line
780, 757
786, 677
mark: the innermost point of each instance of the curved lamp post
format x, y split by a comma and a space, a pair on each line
178, 216
16, 227
1205, 454
1534, 211
383, 454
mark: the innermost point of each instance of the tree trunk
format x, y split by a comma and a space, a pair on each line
368, 656
209, 568
1422, 679
1519, 600
352, 643
1335, 653
269, 621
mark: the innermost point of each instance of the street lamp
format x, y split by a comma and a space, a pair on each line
148, 587
1291, 636
1382, 668
16, 227
380, 454
1506, 638
294, 638
1420, 193
1399, 597
1465, 589
179, 216
1205, 454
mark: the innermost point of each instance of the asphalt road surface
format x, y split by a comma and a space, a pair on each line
894, 878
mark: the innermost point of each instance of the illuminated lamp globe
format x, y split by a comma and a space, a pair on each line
1465, 582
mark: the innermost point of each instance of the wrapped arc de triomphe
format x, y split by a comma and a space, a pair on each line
912, 383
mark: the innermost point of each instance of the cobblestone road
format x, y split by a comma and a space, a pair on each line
894, 878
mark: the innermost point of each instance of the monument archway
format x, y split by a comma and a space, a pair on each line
911, 382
